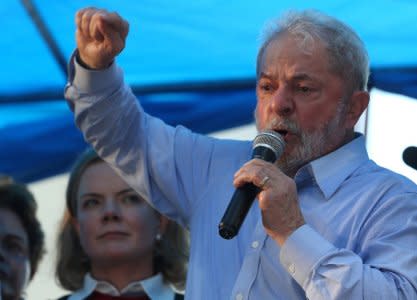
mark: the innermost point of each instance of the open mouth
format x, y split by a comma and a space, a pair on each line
282, 132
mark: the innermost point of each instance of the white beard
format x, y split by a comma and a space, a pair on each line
312, 144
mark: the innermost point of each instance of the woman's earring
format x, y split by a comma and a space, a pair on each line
158, 237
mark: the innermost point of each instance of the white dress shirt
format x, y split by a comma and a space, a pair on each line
154, 287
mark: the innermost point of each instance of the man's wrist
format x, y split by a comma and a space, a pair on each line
81, 62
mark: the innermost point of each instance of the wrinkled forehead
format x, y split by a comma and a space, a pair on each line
294, 53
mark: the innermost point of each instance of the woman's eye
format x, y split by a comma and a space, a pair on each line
88, 203
16, 248
131, 199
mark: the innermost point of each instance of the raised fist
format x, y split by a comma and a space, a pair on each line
100, 36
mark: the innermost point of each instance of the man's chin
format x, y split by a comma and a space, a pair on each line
290, 164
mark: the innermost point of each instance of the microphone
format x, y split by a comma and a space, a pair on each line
410, 157
267, 145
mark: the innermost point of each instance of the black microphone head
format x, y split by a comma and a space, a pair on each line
410, 157
272, 140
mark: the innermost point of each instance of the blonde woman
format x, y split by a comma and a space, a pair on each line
112, 244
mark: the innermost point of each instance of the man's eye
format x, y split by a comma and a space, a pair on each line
305, 89
265, 87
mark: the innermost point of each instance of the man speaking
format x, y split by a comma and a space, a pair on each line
328, 222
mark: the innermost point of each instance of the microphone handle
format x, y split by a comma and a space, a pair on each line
237, 210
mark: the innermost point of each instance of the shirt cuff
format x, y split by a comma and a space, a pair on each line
302, 251
93, 81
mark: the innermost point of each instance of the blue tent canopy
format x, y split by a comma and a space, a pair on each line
190, 63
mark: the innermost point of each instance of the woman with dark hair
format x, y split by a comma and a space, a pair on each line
112, 244
21, 239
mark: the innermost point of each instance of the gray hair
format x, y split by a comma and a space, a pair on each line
348, 57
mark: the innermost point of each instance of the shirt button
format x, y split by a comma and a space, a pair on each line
239, 296
291, 268
255, 244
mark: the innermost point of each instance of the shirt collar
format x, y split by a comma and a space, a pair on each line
331, 170
156, 288
153, 286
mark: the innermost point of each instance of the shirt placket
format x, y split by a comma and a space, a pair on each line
250, 266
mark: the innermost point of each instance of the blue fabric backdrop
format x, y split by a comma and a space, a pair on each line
190, 62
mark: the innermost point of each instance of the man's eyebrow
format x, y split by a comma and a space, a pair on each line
265, 75
296, 77
302, 76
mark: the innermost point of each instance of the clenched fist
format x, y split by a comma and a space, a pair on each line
100, 36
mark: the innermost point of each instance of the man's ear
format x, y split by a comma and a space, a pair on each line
358, 103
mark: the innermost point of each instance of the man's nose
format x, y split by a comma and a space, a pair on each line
282, 102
